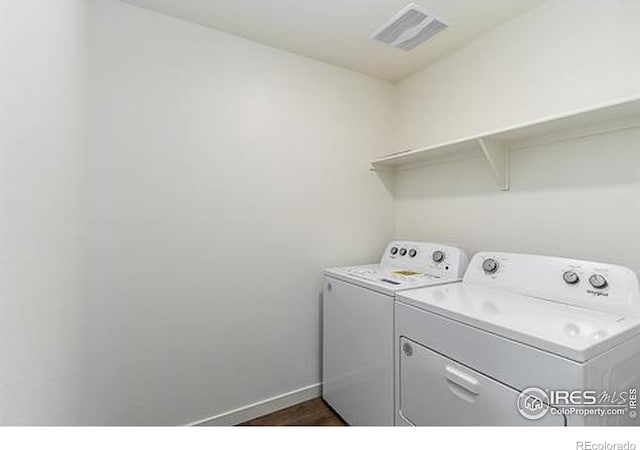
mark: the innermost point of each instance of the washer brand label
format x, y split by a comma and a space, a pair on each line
597, 293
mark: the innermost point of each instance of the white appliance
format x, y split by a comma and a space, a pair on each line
467, 351
358, 322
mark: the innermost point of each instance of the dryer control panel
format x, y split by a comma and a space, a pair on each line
594, 285
424, 257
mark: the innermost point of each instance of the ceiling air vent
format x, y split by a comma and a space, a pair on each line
409, 28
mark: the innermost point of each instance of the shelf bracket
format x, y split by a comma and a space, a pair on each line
498, 158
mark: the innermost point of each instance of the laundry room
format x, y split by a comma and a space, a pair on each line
312, 213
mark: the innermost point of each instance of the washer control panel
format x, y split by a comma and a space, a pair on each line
601, 286
425, 257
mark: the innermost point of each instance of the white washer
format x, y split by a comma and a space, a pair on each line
467, 351
358, 359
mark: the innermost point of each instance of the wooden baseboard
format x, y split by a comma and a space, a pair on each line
261, 408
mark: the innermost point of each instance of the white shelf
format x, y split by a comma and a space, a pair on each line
496, 146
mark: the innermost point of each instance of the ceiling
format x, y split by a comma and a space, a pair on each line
337, 31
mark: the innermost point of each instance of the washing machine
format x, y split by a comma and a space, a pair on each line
357, 369
523, 340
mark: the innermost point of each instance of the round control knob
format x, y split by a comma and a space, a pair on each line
403, 251
413, 252
438, 256
394, 250
598, 281
570, 277
490, 265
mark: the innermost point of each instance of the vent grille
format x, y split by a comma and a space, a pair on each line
392, 32
409, 28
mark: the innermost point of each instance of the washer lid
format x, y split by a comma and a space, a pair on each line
386, 280
570, 331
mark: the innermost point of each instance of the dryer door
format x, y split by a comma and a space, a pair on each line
435, 390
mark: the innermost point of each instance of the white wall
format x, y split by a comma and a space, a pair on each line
579, 198
223, 176
42, 133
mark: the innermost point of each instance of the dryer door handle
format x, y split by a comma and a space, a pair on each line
464, 380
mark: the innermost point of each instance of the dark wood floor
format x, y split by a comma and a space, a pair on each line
313, 413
